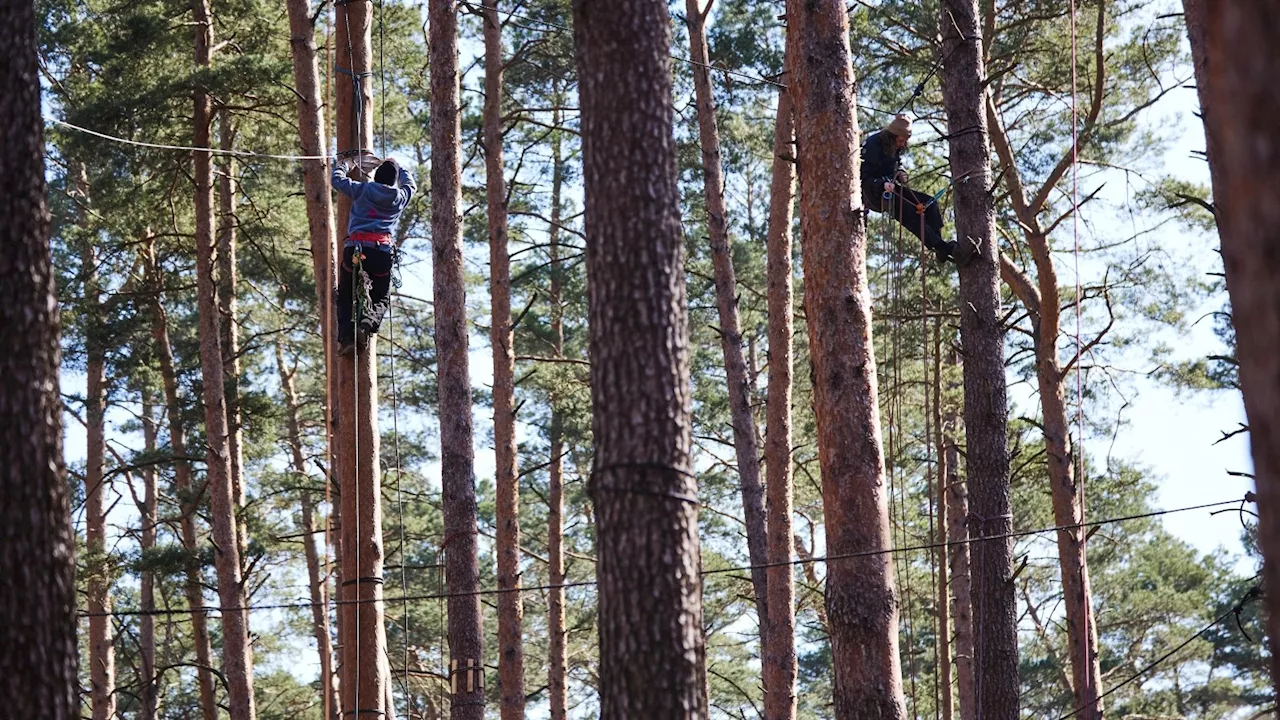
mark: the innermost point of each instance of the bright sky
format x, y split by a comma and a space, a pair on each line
1175, 433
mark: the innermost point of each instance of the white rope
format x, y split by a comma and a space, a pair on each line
184, 148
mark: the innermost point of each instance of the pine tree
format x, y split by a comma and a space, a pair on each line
861, 603
778, 655
237, 649
457, 466
1241, 113
650, 602
982, 335
37, 545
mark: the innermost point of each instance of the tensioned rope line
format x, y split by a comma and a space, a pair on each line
716, 571
184, 148
1252, 594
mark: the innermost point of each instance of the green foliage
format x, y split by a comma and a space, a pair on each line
127, 70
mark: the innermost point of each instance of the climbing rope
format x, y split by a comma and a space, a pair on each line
928, 435
897, 483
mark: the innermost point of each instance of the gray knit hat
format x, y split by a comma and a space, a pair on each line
900, 126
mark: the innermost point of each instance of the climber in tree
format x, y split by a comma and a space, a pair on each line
375, 211
882, 175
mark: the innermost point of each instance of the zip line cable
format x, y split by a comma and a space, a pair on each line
717, 571
1252, 594
184, 148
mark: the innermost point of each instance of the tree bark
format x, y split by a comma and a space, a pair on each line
317, 576
149, 692
778, 655
1242, 112
986, 412
38, 676
188, 499
237, 650
502, 338
102, 653
229, 331
320, 231
362, 635
1197, 16
946, 704
862, 606
556, 672
315, 181
744, 424
962, 606
457, 460
645, 494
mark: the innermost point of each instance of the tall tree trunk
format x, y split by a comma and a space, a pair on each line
645, 495
457, 460
102, 653
962, 606
189, 500
316, 575
237, 650
502, 338
149, 692
862, 606
946, 699
986, 412
362, 634
312, 141
228, 330
779, 653
38, 676
1242, 114
744, 424
556, 675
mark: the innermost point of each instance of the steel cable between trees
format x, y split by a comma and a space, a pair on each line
717, 571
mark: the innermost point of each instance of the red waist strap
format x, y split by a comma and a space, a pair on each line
380, 238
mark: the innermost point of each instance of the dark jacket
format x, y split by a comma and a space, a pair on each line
375, 208
879, 159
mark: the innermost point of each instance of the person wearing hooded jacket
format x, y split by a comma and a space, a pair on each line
882, 174
375, 211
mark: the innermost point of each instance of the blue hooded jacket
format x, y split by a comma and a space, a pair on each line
375, 208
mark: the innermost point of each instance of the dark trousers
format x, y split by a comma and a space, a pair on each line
377, 264
902, 205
